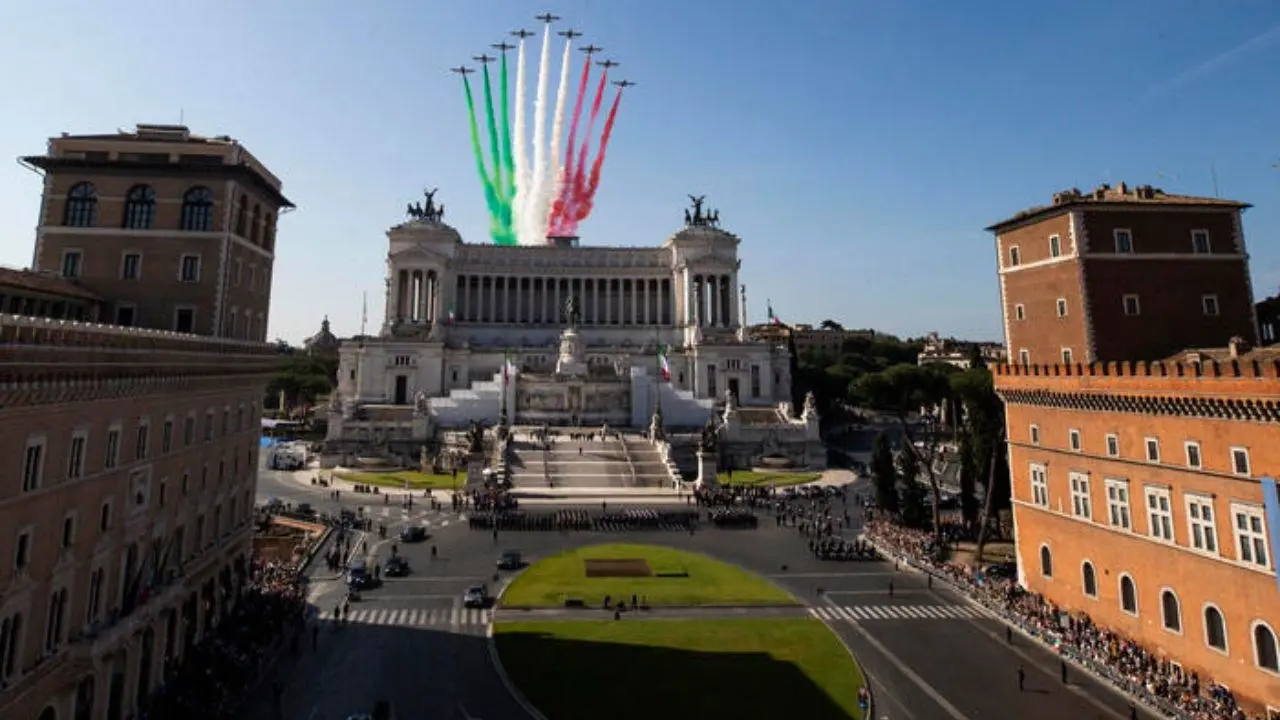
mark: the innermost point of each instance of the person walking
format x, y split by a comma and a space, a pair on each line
1022, 679
1008, 635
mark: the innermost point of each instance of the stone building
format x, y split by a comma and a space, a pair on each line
134, 449
46, 294
559, 334
1123, 273
1142, 491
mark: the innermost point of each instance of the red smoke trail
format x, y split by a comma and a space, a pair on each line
584, 201
579, 177
557, 209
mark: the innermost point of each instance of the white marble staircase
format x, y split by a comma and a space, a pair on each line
528, 465
482, 402
647, 465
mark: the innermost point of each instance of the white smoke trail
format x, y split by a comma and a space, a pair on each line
540, 159
554, 168
519, 211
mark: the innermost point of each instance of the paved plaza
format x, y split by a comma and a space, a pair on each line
929, 654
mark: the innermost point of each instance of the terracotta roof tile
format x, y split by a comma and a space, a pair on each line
1121, 194
46, 283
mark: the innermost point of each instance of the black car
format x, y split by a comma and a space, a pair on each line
412, 533
396, 567
510, 560
477, 596
359, 577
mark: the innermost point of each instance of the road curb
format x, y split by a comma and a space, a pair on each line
511, 688
992, 614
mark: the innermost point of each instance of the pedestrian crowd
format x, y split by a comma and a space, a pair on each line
1123, 661
225, 666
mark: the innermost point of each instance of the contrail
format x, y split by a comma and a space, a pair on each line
540, 123
1213, 65
555, 169
520, 160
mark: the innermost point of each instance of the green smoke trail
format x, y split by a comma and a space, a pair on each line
499, 189
500, 233
507, 161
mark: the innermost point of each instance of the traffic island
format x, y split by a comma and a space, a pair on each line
717, 643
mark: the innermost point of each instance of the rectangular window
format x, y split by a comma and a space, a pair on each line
711, 381
1193, 455
1015, 256
75, 456
1066, 356
1024, 356
131, 266
112, 457
1019, 312
125, 315
1081, 503
208, 426
240, 418
104, 517
1073, 440
22, 550
755, 381
253, 278
1035, 434
1124, 240
1132, 306
1200, 524
189, 271
184, 320
1113, 445
143, 444
189, 430
1250, 526
1118, 504
1200, 242
1062, 307
68, 531
1240, 461
226, 421
1209, 303
1055, 246
71, 260
1153, 449
1159, 514
1040, 485
33, 465
166, 437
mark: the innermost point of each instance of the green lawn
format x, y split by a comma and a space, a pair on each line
417, 480
764, 478
677, 669
690, 579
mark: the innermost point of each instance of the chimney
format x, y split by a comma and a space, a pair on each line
1237, 346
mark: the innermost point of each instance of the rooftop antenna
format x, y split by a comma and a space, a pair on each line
1213, 172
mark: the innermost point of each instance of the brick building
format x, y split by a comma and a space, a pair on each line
1140, 489
178, 230
1123, 274
126, 516
1269, 320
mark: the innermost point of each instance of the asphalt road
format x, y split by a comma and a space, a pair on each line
928, 654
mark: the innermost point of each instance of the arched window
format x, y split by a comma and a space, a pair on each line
140, 208
1128, 595
82, 206
255, 223
9, 663
1215, 628
197, 209
1264, 647
1046, 561
1170, 612
1089, 580
269, 232
242, 216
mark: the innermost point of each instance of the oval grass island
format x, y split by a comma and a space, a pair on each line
714, 641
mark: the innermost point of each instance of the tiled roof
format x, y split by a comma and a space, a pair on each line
1223, 354
1121, 194
45, 283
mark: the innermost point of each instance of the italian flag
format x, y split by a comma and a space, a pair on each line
773, 319
666, 364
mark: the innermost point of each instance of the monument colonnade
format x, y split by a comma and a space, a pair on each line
504, 298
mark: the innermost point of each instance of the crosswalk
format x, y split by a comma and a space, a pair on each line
895, 612
439, 617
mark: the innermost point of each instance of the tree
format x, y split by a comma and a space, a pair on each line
302, 378
912, 495
830, 324
904, 390
884, 476
983, 442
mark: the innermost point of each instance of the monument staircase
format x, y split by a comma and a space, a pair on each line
589, 463
528, 464
481, 402
647, 465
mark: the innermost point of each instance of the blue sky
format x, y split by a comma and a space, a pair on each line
858, 148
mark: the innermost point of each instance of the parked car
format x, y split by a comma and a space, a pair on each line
397, 566
412, 534
510, 560
477, 596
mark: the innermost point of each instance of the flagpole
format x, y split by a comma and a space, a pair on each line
364, 312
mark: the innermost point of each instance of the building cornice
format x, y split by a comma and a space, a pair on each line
33, 389
1236, 409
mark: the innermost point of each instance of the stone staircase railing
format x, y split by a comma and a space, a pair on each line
626, 454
